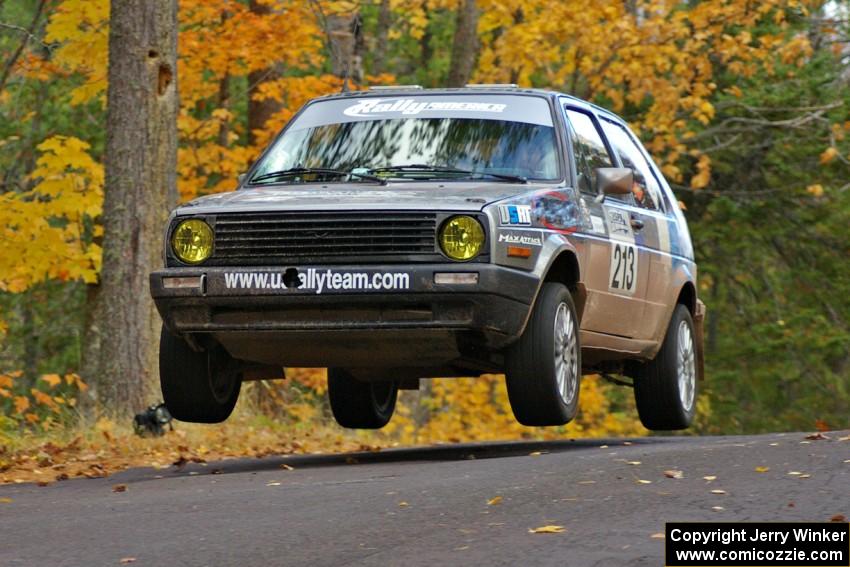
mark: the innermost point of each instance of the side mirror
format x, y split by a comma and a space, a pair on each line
613, 181
241, 178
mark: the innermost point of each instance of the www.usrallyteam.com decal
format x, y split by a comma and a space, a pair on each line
319, 281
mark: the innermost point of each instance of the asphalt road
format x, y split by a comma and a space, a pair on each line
428, 506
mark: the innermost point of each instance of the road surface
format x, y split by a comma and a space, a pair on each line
428, 506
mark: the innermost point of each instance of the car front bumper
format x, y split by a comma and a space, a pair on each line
321, 314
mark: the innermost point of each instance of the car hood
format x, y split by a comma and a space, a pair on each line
435, 196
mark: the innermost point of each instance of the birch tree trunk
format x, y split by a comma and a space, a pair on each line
122, 346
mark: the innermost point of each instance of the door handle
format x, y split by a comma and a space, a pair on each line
637, 224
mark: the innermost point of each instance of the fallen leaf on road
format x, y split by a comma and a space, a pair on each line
709, 478
495, 500
838, 518
119, 488
627, 443
535, 454
587, 482
817, 437
641, 481
774, 444
718, 491
273, 484
845, 438
658, 535
6, 500
547, 530
633, 463
762, 469
125, 560
286, 467
805, 476
403, 504
718, 508
674, 474
795, 473
603, 446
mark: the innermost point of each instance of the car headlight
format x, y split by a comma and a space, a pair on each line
461, 238
192, 241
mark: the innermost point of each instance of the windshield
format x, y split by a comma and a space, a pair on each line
386, 143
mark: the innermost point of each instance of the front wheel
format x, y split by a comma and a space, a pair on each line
197, 386
666, 387
543, 368
360, 405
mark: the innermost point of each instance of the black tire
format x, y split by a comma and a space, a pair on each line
360, 405
531, 371
658, 390
200, 387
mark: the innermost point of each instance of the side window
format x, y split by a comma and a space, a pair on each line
646, 190
589, 149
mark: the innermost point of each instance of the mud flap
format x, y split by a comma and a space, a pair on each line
699, 320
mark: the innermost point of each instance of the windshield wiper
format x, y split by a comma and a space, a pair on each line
465, 173
296, 171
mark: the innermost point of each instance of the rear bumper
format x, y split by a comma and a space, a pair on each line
343, 307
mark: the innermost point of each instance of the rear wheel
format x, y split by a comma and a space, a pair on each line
543, 368
666, 387
197, 386
360, 405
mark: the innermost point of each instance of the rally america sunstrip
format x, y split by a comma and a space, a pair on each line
397, 234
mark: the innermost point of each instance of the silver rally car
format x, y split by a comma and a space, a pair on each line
398, 234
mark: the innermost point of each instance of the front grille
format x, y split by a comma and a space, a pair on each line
259, 238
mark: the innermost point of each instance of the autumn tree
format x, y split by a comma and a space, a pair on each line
140, 189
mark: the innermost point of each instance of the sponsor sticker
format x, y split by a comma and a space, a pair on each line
515, 238
515, 215
373, 107
318, 281
597, 224
619, 225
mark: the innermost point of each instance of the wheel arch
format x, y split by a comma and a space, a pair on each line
564, 268
688, 297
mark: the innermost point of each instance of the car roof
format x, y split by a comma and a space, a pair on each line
412, 90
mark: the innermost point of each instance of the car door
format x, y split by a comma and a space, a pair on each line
612, 268
650, 221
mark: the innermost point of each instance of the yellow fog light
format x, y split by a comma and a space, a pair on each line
461, 238
192, 241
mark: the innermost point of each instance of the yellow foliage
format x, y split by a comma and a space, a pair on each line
652, 54
43, 229
81, 29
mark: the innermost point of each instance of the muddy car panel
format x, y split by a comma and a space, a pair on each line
629, 265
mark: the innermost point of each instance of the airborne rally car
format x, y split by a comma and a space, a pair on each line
399, 234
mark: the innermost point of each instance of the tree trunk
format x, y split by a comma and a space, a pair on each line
140, 188
259, 111
465, 44
342, 30
382, 34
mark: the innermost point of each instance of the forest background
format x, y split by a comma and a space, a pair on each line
745, 105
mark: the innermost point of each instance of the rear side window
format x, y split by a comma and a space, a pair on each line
590, 150
646, 189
